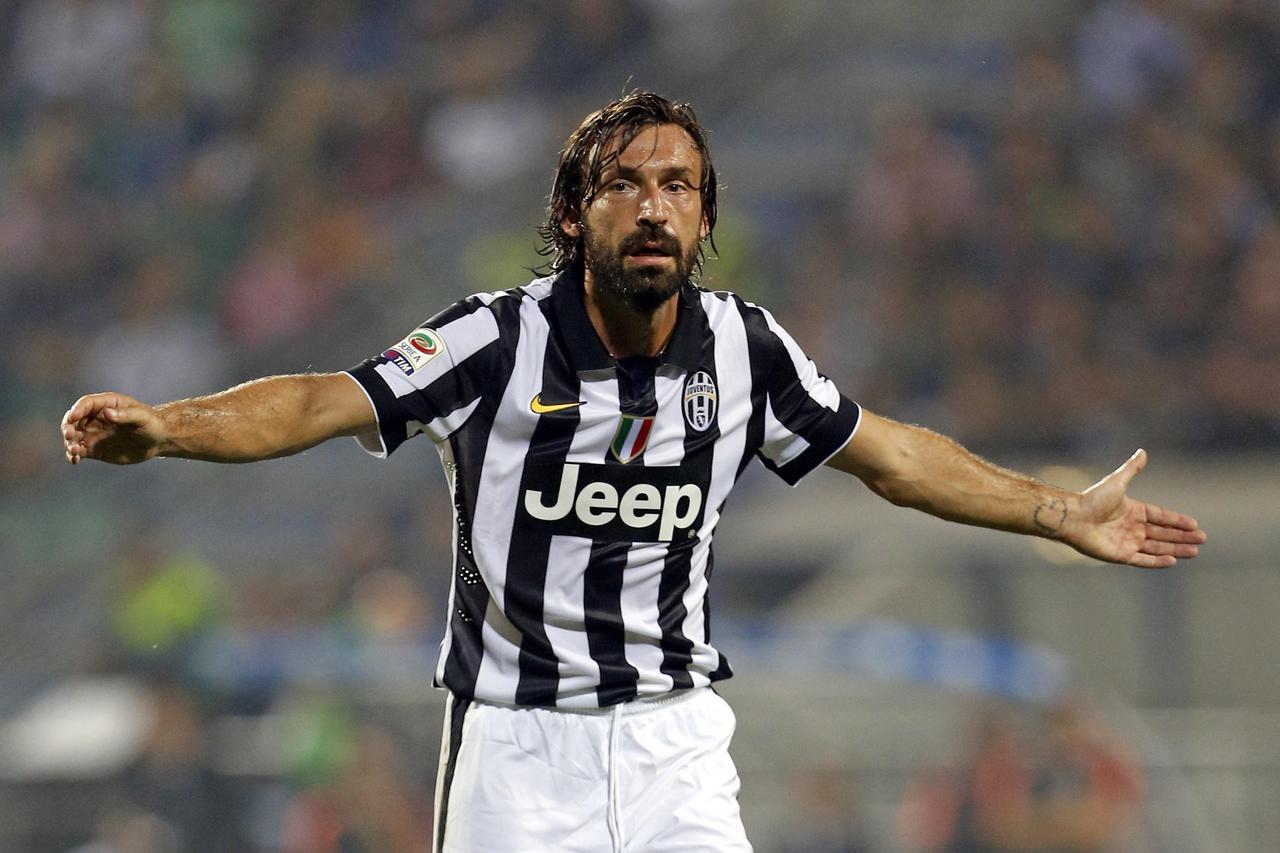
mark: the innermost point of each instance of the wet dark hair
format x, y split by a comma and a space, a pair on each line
584, 159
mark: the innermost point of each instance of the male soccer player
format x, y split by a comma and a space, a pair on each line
591, 425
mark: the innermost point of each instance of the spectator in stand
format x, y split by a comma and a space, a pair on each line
1078, 789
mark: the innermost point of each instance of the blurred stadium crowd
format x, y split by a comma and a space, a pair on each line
1054, 232
192, 188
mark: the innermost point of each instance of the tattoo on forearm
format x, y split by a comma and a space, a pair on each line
1050, 515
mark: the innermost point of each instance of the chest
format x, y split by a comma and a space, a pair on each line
654, 415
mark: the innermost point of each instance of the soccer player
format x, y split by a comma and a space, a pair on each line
591, 425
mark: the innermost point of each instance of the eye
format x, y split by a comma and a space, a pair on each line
619, 186
677, 187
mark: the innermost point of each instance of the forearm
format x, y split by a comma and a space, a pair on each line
932, 473
915, 467
263, 419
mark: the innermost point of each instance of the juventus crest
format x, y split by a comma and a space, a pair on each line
700, 400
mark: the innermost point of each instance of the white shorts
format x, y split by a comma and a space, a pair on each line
649, 775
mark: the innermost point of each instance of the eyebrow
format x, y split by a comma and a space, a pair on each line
617, 170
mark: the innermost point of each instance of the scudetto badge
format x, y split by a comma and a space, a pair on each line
700, 400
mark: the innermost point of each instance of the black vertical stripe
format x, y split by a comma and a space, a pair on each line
722, 670
469, 444
602, 609
791, 402
457, 717
460, 309
602, 586
531, 540
636, 392
697, 464
757, 357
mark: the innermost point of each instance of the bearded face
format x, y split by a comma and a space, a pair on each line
644, 269
643, 221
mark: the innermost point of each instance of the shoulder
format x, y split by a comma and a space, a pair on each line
721, 306
495, 304
724, 307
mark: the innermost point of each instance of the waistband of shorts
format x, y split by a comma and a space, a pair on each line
639, 705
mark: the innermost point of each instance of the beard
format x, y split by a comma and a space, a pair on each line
644, 289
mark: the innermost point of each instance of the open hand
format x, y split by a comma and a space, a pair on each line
1116, 528
113, 428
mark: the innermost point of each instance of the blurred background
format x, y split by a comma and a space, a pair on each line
1046, 227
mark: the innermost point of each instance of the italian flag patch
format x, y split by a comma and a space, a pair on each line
629, 440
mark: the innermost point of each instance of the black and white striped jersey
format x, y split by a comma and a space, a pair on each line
586, 489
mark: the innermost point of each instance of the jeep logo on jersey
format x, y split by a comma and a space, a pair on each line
700, 400
615, 503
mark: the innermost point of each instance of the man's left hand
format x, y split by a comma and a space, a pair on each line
1114, 527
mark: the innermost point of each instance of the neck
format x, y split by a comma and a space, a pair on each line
624, 330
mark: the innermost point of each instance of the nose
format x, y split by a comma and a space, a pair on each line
653, 210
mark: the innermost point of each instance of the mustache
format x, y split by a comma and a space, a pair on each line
635, 241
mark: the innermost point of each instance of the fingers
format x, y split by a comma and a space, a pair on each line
1165, 533
75, 422
1169, 537
1149, 561
1168, 518
1180, 550
91, 405
126, 413
94, 415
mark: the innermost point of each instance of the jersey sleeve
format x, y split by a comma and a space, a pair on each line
806, 419
429, 382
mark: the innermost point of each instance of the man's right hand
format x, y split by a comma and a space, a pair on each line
113, 428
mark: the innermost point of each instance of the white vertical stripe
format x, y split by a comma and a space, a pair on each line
821, 389
695, 624
639, 607
564, 620
733, 391
441, 767
734, 395
666, 439
598, 420
563, 609
450, 475
497, 498
499, 672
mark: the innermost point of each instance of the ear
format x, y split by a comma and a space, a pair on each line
704, 230
570, 227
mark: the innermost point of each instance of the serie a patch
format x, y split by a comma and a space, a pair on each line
415, 351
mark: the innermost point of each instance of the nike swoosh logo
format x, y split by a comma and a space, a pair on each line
541, 408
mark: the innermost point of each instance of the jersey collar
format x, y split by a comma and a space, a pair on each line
684, 350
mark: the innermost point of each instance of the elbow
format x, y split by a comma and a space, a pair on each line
895, 490
898, 481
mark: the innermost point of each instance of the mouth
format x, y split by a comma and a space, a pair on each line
650, 252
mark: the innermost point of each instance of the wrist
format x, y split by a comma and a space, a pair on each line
1056, 515
164, 442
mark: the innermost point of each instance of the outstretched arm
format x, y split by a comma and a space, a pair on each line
915, 467
262, 419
